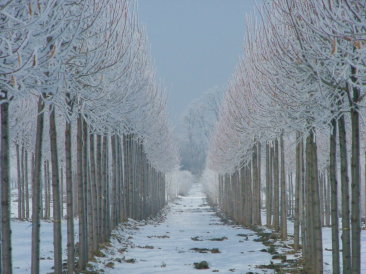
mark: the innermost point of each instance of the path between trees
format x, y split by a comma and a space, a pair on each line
189, 232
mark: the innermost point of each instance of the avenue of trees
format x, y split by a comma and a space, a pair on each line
289, 135
84, 131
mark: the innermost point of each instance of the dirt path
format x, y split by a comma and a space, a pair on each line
191, 232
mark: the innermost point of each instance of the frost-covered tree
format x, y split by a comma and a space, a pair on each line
198, 124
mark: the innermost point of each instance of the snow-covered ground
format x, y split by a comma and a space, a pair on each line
22, 244
327, 244
22, 240
167, 246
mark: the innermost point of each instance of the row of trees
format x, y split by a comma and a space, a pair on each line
81, 104
296, 93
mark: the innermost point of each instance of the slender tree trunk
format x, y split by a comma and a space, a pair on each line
297, 194
291, 201
46, 190
62, 191
94, 174
303, 222
119, 187
75, 192
346, 237
249, 192
126, 175
106, 188
99, 188
26, 186
326, 199
283, 192
318, 241
334, 197
276, 196
256, 187
309, 248
130, 178
19, 171
70, 200
88, 189
85, 187
6, 249
123, 179
259, 180
83, 255
271, 183
236, 197
321, 194
268, 193
114, 181
22, 193
134, 185
36, 189
57, 243
356, 178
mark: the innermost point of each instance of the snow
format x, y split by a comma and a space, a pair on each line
22, 244
327, 244
166, 246
327, 247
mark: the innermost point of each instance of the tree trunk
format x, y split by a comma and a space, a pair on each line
22, 195
83, 255
57, 243
256, 188
355, 187
125, 180
88, 189
47, 190
94, 174
346, 237
321, 195
6, 252
290, 195
309, 248
99, 188
327, 198
36, 189
69, 201
62, 190
268, 191
114, 199
303, 188
120, 179
297, 194
106, 188
318, 241
283, 192
276, 196
259, 180
26, 185
249, 193
334, 197
19, 171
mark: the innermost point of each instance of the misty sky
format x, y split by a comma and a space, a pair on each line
195, 45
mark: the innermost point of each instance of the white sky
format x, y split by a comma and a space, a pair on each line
195, 45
